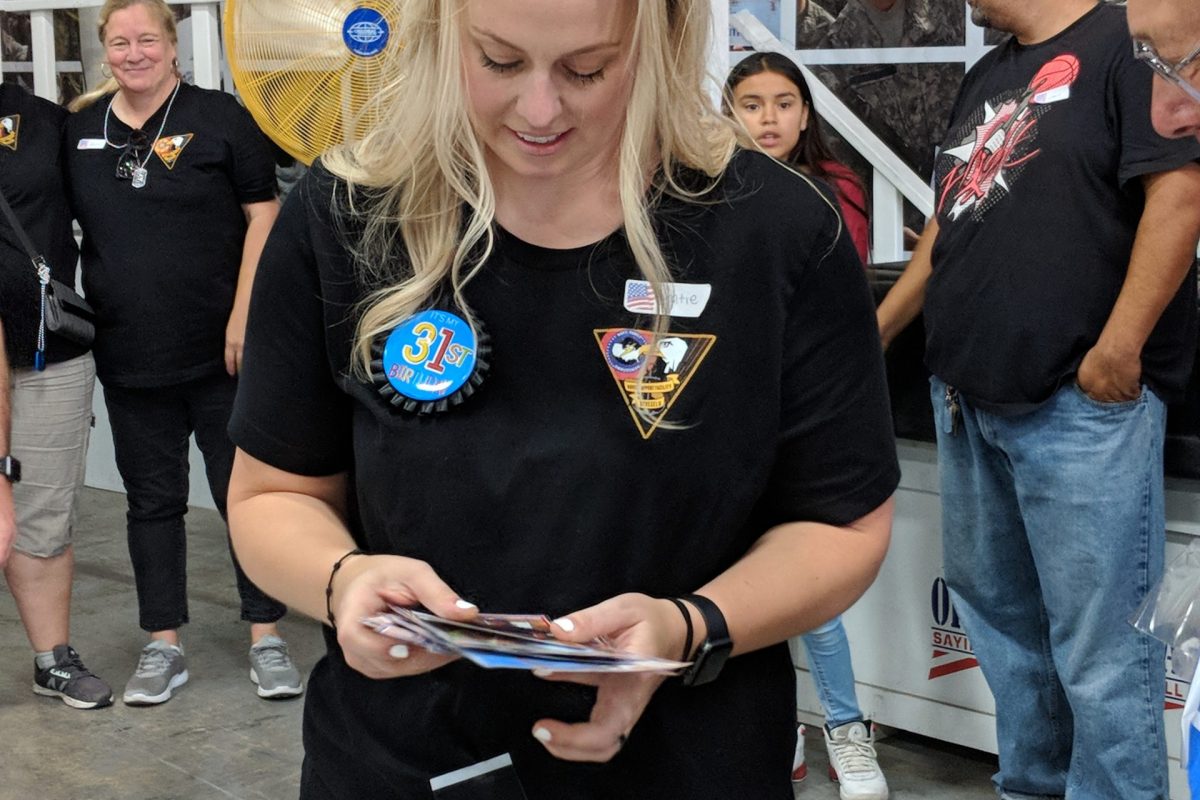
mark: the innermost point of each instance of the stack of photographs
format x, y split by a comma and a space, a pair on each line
511, 641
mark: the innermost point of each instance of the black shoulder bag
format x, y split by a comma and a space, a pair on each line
63, 311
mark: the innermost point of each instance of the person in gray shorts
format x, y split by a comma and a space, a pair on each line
51, 401
8, 522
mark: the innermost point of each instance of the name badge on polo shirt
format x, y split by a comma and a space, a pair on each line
91, 144
678, 300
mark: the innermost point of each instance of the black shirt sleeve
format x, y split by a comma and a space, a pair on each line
1142, 151
837, 455
290, 412
253, 166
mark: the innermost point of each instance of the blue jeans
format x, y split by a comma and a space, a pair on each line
150, 429
1053, 530
1193, 769
828, 652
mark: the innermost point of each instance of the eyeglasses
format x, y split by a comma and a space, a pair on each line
1145, 52
132, 154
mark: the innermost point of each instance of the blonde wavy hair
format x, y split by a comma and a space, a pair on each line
157, 8
422, 168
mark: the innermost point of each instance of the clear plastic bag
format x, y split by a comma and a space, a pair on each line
1171, 611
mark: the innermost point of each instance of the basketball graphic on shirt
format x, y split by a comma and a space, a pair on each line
169, 148
10, 129
1052, 83
1059, 72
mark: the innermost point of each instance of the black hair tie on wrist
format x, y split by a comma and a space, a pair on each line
329, 586
687, 619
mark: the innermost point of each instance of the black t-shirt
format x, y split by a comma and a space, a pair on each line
32, 180
544, 493
1038, 202
160, 263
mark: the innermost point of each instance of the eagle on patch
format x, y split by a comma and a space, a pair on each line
168, 148
10, 129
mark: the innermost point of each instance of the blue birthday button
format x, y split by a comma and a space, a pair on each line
430, 356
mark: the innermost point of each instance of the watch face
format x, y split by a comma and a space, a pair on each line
709, 660
10, 468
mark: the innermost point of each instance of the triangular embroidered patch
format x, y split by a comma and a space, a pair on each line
671, 364
168, 148
10, 130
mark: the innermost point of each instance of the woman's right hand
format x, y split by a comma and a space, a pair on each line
365, 586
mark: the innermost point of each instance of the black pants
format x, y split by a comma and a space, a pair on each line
150, 430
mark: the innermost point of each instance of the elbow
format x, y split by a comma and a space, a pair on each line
875, 531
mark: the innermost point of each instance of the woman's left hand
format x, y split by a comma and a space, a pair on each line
634, 623
235, 339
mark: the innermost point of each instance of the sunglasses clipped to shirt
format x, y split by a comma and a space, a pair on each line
133, 155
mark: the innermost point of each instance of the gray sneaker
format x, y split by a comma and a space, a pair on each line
160, 671
272, 670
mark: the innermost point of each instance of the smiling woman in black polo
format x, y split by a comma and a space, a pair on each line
174, 188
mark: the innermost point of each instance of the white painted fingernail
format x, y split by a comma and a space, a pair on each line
398, 651
465, 606
542, 735
565, 624
543, 673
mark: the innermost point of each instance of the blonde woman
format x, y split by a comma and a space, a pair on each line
174, 188
542, 343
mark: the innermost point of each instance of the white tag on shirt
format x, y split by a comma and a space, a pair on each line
92, 144
682, 299
1053, 96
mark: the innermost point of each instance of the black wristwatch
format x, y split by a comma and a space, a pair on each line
10, 468
715, 648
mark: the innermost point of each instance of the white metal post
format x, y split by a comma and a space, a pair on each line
718, 57
887, 220
206, 45
977, 46
45, 71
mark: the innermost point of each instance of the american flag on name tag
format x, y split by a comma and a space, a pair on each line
639, 297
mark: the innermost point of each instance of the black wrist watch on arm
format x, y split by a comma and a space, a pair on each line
715, 648
10, 468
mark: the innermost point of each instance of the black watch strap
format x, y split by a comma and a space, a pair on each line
715, 648
10, 468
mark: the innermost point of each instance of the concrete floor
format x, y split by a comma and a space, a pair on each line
216, 738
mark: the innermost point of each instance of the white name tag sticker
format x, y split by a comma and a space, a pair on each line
680, 300
1053, 96
91, 144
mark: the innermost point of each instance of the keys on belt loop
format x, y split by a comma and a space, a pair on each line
953, 410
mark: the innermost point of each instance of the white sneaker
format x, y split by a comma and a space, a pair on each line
799, 768
853, 764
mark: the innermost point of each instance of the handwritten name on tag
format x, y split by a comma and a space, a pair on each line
677, 300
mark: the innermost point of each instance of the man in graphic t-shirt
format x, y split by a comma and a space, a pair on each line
1060, 312
1167, 37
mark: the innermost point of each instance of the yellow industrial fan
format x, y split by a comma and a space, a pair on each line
306, 69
